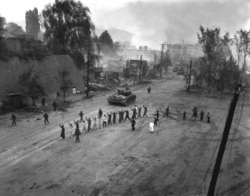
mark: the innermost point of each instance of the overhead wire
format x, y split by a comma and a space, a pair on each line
197, 162
207, 171
232, 139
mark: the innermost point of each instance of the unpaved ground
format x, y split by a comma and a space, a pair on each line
176, 160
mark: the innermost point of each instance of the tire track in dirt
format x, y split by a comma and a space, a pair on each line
46, 141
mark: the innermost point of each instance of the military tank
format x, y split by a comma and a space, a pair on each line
122, 97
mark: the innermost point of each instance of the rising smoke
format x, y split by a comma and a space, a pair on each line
174, 21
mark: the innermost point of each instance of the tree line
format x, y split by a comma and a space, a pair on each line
68, 29
218, 68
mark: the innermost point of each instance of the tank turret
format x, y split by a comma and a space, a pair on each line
122, 97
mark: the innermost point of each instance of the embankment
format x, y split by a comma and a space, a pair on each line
48, 68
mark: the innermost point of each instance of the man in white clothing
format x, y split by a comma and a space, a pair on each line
151, 127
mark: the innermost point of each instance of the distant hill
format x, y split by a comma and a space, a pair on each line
116, 34
21, 23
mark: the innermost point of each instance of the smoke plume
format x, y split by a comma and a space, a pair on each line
153, 23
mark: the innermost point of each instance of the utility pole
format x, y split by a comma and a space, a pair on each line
189, 75
140, 66
88, 66
161, 66
162, 48
223, 143
98, 48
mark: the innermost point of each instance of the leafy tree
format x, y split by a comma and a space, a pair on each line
69, 23
2, 22
237, 42
4, 53
13, 28
242, 40
106, 43
29, 80
218, 67
3, 47
32, 22
106, 39
209, 38
65, 82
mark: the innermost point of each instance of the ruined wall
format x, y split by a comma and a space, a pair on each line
148, 55
48, 67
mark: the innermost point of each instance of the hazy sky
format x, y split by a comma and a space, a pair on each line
151, 21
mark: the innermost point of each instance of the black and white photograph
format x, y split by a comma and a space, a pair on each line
124, 98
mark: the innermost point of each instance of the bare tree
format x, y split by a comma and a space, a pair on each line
243, 45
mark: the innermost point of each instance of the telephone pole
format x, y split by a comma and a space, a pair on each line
223, 143
162, 48
88, 65
161, 66
140, 72
98, 51
88, 44
189, 75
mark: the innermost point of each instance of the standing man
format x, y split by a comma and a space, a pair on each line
81, 115
43, 101
133, 124
149, 89
167, 111
95, 125
114, 117
184, 115
157, 115
84, 126
145, 111
62, 132
46, 118
127, 115
151, 127
104, 123
201, 115
13, 118
89, 124
208, 118
122, 115
76, 123
77, 134
109, 118
194, 113
100, 113
139, 112
155, 120
54, 105
134, 113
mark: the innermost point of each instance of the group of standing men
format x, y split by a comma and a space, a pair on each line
109, 118
123, 115
195, 114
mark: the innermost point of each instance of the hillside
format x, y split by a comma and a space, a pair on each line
117, 34
10, 71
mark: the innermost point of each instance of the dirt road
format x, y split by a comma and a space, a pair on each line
175, 160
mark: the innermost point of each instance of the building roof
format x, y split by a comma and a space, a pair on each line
5, 34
